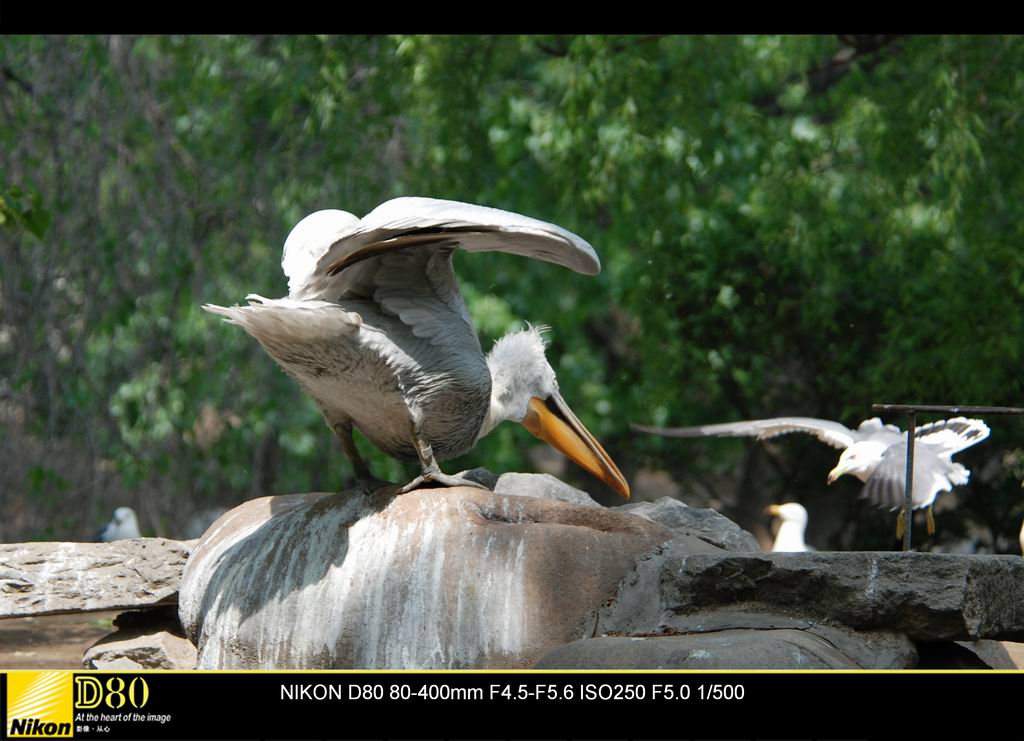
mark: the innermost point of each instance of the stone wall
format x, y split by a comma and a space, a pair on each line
532, 574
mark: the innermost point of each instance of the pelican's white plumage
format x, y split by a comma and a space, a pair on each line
375, 329
323, 244
874, 453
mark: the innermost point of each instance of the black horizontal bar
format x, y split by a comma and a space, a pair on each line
942, 408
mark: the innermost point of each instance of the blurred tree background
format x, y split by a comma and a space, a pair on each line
788, 225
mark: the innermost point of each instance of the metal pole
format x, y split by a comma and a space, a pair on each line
945, 409
908, 511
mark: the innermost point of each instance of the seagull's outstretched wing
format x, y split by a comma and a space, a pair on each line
952, 435
832, 433
934, 473
405, 223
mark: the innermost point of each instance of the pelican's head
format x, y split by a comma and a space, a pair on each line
791, 512
524, 390
860, 460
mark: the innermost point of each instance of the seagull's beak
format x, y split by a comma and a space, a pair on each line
772, 509
835, 473
553, 422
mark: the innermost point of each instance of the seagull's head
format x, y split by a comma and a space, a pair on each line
125, 516
123, 525
860, 460
524, 390
790, 512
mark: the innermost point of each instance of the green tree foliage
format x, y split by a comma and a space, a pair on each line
788, 225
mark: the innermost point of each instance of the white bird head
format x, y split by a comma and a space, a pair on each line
524, 390
860, 460
124, 526
790, 512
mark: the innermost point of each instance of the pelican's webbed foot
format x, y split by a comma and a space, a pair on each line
432, 473
440, 478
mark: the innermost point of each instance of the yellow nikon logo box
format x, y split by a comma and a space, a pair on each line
39, 705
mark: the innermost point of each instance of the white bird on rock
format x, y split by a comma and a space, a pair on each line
790, 537
124, 526
874, 453
375, 329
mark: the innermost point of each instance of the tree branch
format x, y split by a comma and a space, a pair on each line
826, 75
7, 75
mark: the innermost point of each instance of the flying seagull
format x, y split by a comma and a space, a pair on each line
375, 329
124, 526
874, 453
790, 536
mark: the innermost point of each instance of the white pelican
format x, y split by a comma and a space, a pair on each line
375, 329
124, 526
791, 532
874, 453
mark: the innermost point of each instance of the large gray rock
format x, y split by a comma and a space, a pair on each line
737, 648
926, 596
51, 578
541, 486
703, 524
437, 578
965, 655
152, 647
868, 649
992, 654
149, 639
727, 639
159, 649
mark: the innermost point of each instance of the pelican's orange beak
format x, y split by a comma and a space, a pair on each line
553, 422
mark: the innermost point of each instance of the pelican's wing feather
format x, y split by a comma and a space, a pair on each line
285, 321
404, 223
419, 287
829, 432
308, 242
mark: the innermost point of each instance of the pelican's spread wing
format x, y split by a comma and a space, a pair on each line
405, 223
308, 241
832, 433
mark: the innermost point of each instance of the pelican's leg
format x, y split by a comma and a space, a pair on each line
931, 520
432, 472
365, 480
899, 524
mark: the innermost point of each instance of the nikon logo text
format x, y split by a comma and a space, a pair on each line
36, 727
